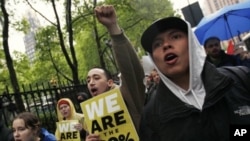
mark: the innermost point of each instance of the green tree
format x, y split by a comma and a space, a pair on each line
85, 38
9, 62
69, 55
22, 67
48, 54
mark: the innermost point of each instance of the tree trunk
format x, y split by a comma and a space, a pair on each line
10, 66
73, 65
71, 45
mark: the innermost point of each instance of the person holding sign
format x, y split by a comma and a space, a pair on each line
70, 124
132, 73
27, 127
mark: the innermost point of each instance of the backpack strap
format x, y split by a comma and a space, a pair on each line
240, 74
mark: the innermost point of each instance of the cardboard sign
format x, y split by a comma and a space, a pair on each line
67, 131
108, 116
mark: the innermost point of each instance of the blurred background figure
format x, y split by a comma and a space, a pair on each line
5, 132
82, 96
27, 127
219, 58
152, 82
148, 81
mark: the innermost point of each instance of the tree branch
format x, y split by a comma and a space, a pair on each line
40, 13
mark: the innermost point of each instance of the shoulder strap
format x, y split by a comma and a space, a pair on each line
240, 74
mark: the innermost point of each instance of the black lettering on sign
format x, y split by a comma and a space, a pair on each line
74, 134
108, 122
119, 118
96, 126
69, 135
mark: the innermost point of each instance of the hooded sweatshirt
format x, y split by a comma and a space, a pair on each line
206, 111
196, 93
73, 115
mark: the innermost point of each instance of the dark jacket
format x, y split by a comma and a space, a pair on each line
167, 118
5, 132
151, 91
229, 60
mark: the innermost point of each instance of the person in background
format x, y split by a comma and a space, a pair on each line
5, 132
82, 96
155, 78
148, 82
193, 101
66, 111
219, 58
27, 127
132, 73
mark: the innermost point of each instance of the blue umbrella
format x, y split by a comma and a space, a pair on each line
226, 23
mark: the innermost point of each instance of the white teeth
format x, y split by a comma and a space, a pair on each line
170, 56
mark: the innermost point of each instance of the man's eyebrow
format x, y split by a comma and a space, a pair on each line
92, 75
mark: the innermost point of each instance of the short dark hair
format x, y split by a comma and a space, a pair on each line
106, 72
30, 120
83, 94
211, 38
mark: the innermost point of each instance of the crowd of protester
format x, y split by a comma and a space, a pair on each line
184, 97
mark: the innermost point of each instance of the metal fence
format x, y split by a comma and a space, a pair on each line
41, 101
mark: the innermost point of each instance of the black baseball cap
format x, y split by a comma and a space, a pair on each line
158, 27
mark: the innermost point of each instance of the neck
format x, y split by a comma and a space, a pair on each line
214, 60
182, 81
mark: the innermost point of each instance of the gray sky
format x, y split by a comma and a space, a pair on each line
16, 38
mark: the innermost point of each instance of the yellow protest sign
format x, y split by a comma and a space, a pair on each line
107, 115
67, 131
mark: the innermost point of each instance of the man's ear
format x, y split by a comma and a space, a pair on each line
110, 82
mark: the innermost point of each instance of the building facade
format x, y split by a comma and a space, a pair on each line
211, 6
29, 38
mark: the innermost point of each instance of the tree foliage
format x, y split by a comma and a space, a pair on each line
71, 48
9, 61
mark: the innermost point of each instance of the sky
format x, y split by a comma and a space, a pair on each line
16, 38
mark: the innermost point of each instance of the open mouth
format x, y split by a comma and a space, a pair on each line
94, 91
170, 57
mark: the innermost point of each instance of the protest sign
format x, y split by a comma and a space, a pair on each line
67, 131
108, 116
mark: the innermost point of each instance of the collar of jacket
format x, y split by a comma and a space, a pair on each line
170, 106
216, 84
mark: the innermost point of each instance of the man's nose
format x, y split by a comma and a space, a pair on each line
91, 82
166, 46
